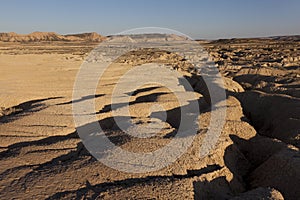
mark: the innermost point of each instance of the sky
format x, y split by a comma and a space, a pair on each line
199, 19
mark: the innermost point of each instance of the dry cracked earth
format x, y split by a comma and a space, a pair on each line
255, 157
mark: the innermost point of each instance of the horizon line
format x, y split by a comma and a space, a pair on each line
109, 35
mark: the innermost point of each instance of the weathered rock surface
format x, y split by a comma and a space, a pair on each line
255, 157
260, 193
280, 171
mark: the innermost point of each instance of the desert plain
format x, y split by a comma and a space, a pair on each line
256, 155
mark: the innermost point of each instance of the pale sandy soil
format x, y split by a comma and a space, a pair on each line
41, 155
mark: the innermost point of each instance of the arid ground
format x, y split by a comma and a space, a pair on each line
256, 156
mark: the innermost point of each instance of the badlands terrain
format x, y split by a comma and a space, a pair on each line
256, 155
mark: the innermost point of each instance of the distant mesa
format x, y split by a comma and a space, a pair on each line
92, 37
147, 37
86, 37
50, 36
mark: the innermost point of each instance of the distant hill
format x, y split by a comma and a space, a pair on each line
287, 38
291, 38
50, 36
93, 37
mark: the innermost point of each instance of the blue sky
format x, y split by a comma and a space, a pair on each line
208, 19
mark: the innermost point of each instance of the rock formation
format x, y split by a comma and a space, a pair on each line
49, 36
